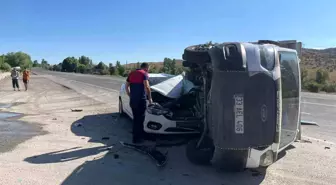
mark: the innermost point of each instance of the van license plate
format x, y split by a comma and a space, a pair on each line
239, 113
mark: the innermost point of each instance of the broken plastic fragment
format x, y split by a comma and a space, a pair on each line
76, 110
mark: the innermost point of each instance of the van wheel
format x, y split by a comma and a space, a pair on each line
201, 155
231, 160
121, 111
196, 54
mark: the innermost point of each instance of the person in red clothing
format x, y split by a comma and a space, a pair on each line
137, 87
25, 78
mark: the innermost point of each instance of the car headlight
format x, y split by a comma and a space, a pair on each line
156, 111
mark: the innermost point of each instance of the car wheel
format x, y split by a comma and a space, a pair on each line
121, 110
196, 54
201, 155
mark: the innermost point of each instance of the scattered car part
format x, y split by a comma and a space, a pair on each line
76, 110
160, 159
303, 122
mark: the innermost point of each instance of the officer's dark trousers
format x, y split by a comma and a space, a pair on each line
15, 83
138, 110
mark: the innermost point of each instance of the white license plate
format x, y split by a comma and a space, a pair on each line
239, 113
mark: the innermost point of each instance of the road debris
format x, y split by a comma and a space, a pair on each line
255, 172
76, 110
157, 156
105, 138
54, 119
305, 141
327, 147
310, 123
116, 156
109, 148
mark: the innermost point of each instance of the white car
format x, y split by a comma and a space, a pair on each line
171, 112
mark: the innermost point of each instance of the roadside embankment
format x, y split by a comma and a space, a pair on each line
4, 75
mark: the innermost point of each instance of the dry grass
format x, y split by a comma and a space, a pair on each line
312, 74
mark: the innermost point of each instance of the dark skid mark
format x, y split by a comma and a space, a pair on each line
66, 87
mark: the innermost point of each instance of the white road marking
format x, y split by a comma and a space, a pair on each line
95, 86
321, 104
305, 113
113, 82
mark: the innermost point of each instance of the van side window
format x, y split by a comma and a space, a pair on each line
267, 57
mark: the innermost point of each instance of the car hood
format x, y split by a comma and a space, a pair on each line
174, 87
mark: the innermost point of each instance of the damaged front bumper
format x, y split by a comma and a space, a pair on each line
172, 112
163, 120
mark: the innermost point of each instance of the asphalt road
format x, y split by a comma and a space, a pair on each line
320, 108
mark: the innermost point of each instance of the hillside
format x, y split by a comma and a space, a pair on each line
157, 65
324, 58
313, 59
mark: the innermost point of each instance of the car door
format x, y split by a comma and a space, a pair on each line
126, 100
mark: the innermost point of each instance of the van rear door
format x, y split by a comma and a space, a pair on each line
290, 82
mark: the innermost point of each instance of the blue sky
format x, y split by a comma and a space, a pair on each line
149, 30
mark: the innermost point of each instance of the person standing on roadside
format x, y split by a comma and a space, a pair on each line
25, 78
137, 86
15, 79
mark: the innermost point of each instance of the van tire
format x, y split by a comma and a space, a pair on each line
196, 54
231, 160
201, 155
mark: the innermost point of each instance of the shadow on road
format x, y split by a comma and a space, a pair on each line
283, 152
120, 165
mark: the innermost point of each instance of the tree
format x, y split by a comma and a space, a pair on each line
102, 68
112, 69
36, 64
120, 68
2, 59
69, 64
86, 61
169, 66
44, 64
5, 66
18, 59
179, 70
322, 76
57, 67
153, 69
304, 75
81, 68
